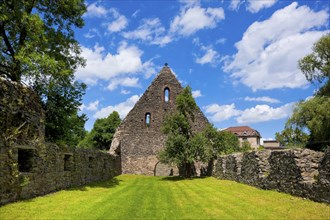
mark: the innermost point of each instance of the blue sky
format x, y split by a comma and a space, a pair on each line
239, 57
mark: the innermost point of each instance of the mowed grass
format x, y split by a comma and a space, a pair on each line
143, 197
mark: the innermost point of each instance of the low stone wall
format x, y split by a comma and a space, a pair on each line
300, 172
27, 172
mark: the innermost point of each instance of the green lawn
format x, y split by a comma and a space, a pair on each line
142, 197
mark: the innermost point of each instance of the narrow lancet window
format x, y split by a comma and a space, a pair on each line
166, 94
148, 119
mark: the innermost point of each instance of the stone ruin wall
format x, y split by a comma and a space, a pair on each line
300, 172
28, 166
139, 144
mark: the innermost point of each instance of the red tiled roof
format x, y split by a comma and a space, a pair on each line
243, 131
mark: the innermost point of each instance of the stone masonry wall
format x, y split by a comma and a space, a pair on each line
300, 172
138, 143
28, 166
50, 169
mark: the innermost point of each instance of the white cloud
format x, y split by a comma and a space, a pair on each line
125, 92
262, 113
127, 82
211, 56
104, 66
259, 113
195, 18
269, 50
252, 6
261, 99
122, 108
219, 113
150, 31
255, 6
95, 10
234, 4
92, 32
119, 24
92, 106
196, 93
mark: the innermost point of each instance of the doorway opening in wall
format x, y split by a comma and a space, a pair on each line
67, 162
25, 160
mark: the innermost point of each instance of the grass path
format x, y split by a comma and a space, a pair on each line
142, 197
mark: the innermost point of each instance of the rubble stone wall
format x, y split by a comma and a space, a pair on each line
300, 172
28, 166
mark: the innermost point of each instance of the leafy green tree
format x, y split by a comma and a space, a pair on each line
102, 133
292, 137
313, 115
221, 142
183, 148
246, 146
38, 46
316, 66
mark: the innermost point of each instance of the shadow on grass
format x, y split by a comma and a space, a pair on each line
104, 184
179, 178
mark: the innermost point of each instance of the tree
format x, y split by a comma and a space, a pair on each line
38, 46
316, 66
310, 122
314, 116
221, 142
246, 146
102, 133
182, 147
292, 137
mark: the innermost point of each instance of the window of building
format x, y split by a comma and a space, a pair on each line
244, 138
67, 162
166, 94
148, 119
90, 162
25, 160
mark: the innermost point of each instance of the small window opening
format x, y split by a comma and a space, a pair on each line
148, 119
90, 162
25, 160
244, 139
67, 162
105, 163
166, 94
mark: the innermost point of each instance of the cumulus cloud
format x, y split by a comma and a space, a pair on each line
255, 6
219, 113
96, 10
119, 23
196, 93
92, 106
262, 113
267, 55
195, 18
126, 82
122, 108
210, 57
104, 66
252, 6
150, 31
262, 99
259, 113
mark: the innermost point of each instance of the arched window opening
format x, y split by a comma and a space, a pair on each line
148, 119
166, 94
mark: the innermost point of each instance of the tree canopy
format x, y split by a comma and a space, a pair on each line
182, 146
38, 47
100, 137
310, 122
316, 66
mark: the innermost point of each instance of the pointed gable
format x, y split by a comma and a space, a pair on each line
139, 137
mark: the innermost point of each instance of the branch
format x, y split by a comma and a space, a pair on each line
7, 42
